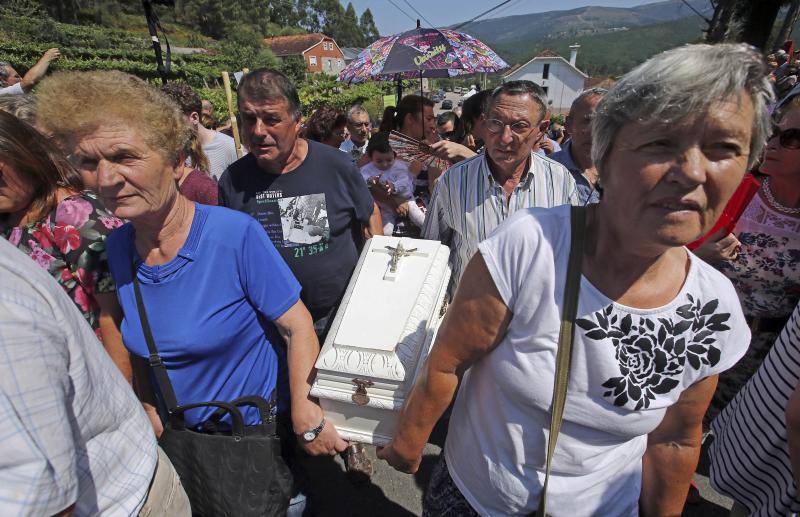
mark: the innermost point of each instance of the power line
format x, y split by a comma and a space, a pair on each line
506, 8
419, 13
696, 11
402, 11
501, 4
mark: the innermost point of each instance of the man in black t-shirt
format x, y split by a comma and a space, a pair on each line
309, 197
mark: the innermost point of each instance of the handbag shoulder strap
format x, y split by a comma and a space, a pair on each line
566, 333
159, 369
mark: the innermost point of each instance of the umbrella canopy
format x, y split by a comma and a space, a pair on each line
422, 52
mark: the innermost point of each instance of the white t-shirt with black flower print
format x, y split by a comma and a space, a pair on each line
628, 366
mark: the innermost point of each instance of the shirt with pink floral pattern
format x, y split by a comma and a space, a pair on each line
70, 243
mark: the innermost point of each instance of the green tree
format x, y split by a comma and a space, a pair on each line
294, 67
211, 17
282, 12
23, 7
245, 48
341, 24
333, 17
351, 31
325, 90
368, 28
310, 15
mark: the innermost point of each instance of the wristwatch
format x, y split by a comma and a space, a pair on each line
311, 435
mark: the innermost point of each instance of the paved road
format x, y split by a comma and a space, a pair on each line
455, 97
390, 493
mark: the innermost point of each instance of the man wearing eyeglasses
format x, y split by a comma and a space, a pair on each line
359, 127
474, 196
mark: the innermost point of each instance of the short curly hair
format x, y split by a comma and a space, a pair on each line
71, 105
185, 97
321, 124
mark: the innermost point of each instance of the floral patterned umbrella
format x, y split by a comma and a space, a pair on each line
422, 52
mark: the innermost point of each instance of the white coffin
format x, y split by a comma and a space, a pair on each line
381, 335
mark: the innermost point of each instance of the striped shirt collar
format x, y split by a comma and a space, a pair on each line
468, 203
525, 181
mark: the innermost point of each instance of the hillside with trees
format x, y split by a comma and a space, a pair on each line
112, 34
613, 39
614, 53
221, 19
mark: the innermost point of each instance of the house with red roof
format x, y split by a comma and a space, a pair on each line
320, 52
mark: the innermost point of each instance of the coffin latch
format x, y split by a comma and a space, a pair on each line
360, 397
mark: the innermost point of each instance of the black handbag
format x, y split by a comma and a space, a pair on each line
238, 472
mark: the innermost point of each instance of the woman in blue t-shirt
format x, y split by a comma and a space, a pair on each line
224, 308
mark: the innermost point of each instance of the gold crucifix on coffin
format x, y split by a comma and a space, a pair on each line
396, 253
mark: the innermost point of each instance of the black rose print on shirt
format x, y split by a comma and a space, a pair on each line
652, 352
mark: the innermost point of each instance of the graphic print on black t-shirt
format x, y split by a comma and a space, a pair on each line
650, 353
296, 222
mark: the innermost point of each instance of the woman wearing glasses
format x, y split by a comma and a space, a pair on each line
654, 327
761, 256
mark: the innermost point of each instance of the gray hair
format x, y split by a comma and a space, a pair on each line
522, 87
264, 84
681, 83
4, 65
356, 109
585, 94
21, 106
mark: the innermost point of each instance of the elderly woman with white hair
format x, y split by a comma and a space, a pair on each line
654, 324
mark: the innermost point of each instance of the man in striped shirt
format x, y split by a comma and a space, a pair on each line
473, 197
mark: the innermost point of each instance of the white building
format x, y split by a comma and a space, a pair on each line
560, 78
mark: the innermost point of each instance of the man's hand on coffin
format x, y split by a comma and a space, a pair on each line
327, 441
475, 323
407, 462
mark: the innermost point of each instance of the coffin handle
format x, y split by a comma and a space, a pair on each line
360, 397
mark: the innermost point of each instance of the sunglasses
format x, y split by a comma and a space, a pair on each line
788, 138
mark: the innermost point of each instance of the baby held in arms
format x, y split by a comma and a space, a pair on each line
391, 184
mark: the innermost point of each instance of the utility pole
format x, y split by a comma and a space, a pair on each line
720, 22
743, 20
788, 24
758, 20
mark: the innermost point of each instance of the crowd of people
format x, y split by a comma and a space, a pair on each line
158, 276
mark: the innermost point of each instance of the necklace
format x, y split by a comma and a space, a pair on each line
774, 202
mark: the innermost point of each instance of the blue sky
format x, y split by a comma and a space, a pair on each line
390, 19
